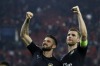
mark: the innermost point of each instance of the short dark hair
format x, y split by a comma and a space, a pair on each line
5, 63
52, 38
75, 29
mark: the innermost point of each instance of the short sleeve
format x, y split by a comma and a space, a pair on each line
82, 50
33, 48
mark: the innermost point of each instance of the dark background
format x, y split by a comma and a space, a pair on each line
50, 17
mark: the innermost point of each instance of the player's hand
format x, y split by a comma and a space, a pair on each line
76, 9
29, 15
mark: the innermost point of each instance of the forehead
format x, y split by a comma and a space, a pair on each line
73, 32
48, 38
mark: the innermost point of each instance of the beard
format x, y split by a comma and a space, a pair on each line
46, 49
71, 44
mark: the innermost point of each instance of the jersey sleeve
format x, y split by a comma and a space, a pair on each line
33, 48
82, 50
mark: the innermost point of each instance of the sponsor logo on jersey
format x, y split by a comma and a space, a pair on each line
65, 64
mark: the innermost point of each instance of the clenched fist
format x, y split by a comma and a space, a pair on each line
76, 9
29, 15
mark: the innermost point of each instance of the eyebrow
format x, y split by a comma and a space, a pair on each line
71, 34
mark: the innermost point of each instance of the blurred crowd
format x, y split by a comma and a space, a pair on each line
50, 17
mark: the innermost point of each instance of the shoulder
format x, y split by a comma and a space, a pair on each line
55, 59
79, 47
33, 48
64, 57
82, 50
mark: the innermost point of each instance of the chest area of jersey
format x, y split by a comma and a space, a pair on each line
40, 60
71, 59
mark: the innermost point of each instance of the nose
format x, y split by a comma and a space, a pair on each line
69, 37
44, 42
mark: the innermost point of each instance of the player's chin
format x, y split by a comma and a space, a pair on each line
70, 43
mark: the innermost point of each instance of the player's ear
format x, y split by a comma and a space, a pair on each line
78, 40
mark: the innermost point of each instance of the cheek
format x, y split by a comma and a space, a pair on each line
67, 38
74, 39
77, 40
49, 44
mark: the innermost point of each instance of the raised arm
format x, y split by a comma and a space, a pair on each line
24, 33
82, 27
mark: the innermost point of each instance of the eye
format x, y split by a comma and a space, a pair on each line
73, 34
68, 35
48, 41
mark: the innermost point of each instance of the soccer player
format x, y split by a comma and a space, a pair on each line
44, 56
77, 43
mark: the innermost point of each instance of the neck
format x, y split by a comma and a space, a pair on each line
48, 53
70, 48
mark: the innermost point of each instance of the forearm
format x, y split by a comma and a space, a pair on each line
25, 27
82, 27
25, 32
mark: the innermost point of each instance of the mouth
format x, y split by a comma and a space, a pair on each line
45, 45
69, 39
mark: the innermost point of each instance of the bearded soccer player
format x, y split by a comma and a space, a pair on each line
77, 42
44, 56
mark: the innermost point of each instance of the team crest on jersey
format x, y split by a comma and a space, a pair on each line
38, 56
65, 64
50, 64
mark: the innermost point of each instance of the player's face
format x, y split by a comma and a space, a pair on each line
48, 44
72, 38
